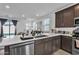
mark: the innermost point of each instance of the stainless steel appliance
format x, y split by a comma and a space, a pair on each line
26, 48
75, 50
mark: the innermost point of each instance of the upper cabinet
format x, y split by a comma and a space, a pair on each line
65, 18
59, 19
76, 7
68, 17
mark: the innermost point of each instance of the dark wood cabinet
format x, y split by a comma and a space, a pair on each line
56, 41
76, 7
66, 44
65, 17
59, 19
68, 17
43, 46
47, 46
39, 47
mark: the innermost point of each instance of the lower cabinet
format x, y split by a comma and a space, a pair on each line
47, 46
39, 48
67, 44
56, 42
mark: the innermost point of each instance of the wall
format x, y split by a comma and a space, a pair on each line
41, 18
52, 17
20, 26
66, 29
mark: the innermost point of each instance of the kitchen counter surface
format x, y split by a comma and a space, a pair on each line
16, 39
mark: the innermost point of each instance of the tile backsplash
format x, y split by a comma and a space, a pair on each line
65, 30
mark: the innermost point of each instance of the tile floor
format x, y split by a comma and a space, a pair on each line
61, 52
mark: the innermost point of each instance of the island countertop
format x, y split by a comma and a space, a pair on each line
16, 39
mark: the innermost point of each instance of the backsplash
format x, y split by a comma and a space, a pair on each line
65, 30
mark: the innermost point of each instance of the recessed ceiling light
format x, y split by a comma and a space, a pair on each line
7, 6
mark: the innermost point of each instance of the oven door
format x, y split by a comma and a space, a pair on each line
75, 47
76, 43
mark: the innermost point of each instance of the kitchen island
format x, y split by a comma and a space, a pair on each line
36, 46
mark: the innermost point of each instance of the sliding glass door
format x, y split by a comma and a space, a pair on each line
8, 29
11, 29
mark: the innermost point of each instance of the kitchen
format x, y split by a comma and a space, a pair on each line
39, 29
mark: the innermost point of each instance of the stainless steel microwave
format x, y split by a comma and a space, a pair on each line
76, 21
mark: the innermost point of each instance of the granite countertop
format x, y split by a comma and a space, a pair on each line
16, 39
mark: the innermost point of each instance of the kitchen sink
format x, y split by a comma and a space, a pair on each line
26, 38
40, 36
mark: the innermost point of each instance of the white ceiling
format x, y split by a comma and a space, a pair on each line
29, 9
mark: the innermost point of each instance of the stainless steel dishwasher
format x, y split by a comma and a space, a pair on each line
26, 48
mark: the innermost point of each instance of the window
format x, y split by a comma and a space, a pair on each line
34, 26
46, 24
28, 26
8, 29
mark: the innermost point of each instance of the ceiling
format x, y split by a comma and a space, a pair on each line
29, 10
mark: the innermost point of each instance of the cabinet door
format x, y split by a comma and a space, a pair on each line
68, 17
39, 48
48, 46
59, 19
64, 43
57, 42
76, 10
53, 44
67, 44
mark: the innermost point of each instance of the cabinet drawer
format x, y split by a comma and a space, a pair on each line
67, 44
42, 40
37, 41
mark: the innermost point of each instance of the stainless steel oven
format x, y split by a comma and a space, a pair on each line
75, 49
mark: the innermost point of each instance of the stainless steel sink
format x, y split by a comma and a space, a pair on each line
26, 38
40, 36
